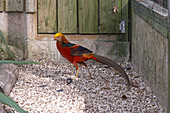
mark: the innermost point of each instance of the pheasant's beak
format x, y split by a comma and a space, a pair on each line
57, 38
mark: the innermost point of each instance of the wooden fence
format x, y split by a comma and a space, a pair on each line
18, 6
72, 16
79, 16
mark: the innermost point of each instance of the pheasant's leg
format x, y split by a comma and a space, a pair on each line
76, 73
77, 68
87, 68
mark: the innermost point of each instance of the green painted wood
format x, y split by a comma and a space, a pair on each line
124, 16
15, 5
1, 5
88, 16
67, 16
47, 16
109, 20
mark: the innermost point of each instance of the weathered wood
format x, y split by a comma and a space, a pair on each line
14, 5
88, 16
30, 6
124, 16
67, 16
157, 21
109, 16
149, 56
168, 106
47, 16
1, 5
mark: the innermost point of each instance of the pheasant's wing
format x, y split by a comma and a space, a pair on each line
77, 50
80, 50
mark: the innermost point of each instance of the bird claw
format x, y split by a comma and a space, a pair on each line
75, 78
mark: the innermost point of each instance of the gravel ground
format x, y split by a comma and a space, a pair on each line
45, 88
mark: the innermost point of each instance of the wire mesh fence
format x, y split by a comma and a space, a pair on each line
154, 12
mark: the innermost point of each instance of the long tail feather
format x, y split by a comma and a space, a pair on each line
113, 64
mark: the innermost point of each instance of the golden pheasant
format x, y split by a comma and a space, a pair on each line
77, 54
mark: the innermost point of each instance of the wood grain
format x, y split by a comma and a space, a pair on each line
47, 16
1, 5
30, 6
67, 16
109, 20
15, 5
88, 16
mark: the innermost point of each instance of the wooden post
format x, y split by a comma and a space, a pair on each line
124, 17
168, 109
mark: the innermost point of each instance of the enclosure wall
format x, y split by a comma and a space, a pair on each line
150, 56
20, 28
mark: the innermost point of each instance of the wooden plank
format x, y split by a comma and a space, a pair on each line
168, 106
124, 17
30, 6
67, 16
110, 16
1, 5
15, 5
168, 109
88, 16
160, 26
47, 16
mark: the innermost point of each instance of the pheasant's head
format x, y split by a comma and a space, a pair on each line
60, 38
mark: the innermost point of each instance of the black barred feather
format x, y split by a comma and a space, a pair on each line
113, 64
